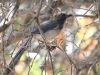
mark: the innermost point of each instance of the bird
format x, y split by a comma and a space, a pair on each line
50, 28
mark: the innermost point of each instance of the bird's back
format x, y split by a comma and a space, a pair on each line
46, 26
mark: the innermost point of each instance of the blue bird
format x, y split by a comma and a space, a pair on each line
50, 28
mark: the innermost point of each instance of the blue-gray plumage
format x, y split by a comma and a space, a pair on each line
45, 26
52, 24
50, 28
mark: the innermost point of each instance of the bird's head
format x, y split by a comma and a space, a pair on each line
61, 18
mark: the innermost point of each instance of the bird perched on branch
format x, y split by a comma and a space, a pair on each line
50, 29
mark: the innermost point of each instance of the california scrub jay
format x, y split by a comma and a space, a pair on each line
50, 28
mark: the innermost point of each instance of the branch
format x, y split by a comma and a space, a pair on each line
42, 34
16, 58
18, 36
89, 64
77, 15
8, 19
53, 5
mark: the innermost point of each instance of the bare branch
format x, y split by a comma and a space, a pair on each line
8, 19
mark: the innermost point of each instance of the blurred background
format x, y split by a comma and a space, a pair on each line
75, 51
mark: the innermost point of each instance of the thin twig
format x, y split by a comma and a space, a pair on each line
41, 32
71, 62
3, 50
92, 67
77, 15
6, 22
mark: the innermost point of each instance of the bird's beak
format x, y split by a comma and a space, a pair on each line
69, 15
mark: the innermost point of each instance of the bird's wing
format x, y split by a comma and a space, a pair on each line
46, 26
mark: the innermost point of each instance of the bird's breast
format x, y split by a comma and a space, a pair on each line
48, 35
